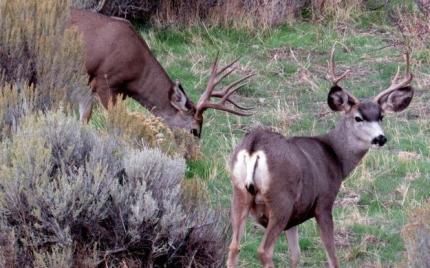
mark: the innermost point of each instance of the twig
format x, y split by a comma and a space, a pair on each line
110, 252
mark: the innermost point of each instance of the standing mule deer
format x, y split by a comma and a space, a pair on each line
118, 61
283, 182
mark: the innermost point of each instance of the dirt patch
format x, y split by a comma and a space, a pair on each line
344, 238
362, 248
404, 156
347, 199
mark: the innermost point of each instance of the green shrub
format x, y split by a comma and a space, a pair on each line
72, 197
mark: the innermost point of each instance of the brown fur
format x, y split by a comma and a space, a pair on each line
119, 61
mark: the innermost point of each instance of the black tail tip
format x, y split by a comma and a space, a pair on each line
251, 189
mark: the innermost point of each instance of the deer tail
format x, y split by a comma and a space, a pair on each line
251, 165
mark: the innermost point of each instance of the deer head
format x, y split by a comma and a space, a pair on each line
362, 119
190, 116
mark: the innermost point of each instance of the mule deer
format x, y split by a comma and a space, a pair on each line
283, 182
118, 61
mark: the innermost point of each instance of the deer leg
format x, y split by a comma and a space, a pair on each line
105, 93
274, 228
325, 224
293, 245
85, 110
239, 212
107, 98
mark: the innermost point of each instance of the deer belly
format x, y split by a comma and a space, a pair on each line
300, 216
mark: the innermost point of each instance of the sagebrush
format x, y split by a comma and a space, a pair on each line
37, 50
71, 197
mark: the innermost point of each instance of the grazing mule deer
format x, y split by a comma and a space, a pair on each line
283, 182
118, 61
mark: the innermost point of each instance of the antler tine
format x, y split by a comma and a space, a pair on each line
240, 106
226, 67
402, 83
215, 78
218, 106
232, 87
212, 82
332, 66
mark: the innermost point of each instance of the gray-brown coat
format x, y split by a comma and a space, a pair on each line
283, 182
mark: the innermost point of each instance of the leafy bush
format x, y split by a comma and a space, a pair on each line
72, 197
416, 235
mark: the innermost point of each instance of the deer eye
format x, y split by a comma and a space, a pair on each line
358, 119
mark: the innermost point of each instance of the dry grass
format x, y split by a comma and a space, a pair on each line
342, 11
37, 50
234, 13
142, 129
416, 235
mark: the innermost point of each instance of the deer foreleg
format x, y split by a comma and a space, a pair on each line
325, 224
106, 94
85, 109
293, 245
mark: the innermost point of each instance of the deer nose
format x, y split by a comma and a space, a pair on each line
195, 132
380, 140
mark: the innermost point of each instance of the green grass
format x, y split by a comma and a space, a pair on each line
369, 229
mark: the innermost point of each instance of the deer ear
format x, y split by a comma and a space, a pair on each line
397, 100
340, 100
178, 99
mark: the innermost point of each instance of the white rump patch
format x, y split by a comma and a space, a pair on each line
251, 169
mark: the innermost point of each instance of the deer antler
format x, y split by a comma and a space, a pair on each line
398, 84
331, 76
224, 94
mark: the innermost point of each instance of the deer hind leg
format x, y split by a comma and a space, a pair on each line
239, 211
293, 245
278, 219
325, 224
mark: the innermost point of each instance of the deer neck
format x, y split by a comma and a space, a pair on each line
153, 90
347, 149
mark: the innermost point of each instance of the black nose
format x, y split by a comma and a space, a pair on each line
380, 140
195, 132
